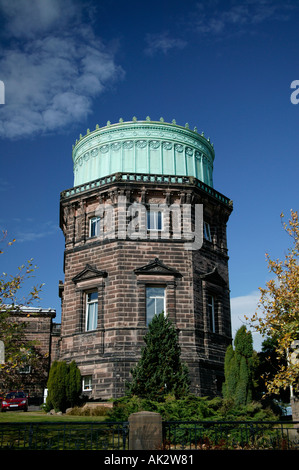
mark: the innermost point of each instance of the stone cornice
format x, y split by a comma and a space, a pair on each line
182, 182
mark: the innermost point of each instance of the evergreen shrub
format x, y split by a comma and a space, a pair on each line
190, 408
64, 386
160, 371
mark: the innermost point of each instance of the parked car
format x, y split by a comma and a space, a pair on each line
14, 400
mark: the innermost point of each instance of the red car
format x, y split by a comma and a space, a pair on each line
15, 400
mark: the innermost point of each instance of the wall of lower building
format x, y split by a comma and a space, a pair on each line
38, 328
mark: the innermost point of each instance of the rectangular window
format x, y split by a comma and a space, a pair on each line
94, 226
154, 220
86, 383
211, 313
207, 231
25, 369
155, 302
91, 311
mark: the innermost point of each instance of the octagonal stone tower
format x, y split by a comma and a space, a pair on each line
145, 231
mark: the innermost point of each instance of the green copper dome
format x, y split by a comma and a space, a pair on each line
143, 147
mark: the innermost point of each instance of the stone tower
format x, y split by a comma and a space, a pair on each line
144, 232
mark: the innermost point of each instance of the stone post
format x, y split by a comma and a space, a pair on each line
145, 431
295, 410
2, 353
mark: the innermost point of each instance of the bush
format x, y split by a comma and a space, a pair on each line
64, 386
88, 411
190, 408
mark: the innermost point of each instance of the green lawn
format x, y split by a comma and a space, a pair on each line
41, 416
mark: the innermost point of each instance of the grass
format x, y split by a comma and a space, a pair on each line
42, 417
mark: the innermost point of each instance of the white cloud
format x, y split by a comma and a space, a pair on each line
26, 18
212, 18
162, 42
33, 231
53, 67
242, 306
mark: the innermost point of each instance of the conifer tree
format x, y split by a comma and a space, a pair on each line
160, 371
57, 386
73, 384
239, 368
64, 385
229, 385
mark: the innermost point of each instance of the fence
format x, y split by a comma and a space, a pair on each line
64, 436
180, 435
210, 435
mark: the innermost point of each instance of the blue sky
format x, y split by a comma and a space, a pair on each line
225, 67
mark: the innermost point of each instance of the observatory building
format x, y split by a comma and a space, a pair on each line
145, 232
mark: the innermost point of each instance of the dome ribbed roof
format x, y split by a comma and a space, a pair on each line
143, 147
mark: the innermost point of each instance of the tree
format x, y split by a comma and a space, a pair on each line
266, 368
19, 352
64, 386
230, 373
238, 368
73, 384
160, 371
279, 303
56, 385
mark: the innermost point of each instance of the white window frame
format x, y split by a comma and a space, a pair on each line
155, 303
211, 313
86, 383
207, 231
25, 369
90, 303
94, 221
155, 220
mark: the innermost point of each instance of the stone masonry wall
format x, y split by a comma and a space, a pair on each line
109, 352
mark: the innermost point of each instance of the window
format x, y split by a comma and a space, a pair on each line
86, 383
211, 313
207, 231
154, 220
25, 369
155, 302
94, 226
91, 311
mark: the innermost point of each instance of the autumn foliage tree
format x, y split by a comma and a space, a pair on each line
279, 304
